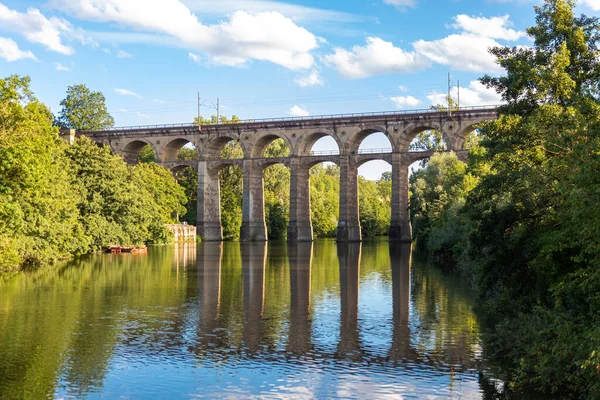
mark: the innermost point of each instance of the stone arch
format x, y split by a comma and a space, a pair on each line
320, 160
263, 142
171, 149
213, 148
458, 140
175, 168
365, 158
268, 162
354, 142
308, 141
412, 130
132, 150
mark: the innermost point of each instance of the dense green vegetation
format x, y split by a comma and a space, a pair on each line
58, 200
521, 219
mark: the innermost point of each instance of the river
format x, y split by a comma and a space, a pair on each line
242, 320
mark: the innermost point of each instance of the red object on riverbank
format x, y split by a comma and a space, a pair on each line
125, 249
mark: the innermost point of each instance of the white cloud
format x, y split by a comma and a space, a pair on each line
194, 57
36, 28
124, 54
158, 101
402, 88
9, 50
405, 101
126, 92
142, 115
494, 27
296, 12
313, 79
267, 36
60, 67
462, 52
401, 4
477, 94
107, 51
298, 111
378, 57
593, 4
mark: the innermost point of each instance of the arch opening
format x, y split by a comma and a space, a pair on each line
318, 144
375, 198
179, 150
371, 142
138, 151
231, 150
271, 146
276, 184
324, 199
231, 181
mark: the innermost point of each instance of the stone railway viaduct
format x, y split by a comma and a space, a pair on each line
300, 134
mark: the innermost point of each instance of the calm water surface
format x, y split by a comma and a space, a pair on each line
241, 320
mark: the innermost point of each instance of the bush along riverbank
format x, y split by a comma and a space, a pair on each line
521, 219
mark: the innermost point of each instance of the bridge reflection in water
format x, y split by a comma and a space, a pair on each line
243, 325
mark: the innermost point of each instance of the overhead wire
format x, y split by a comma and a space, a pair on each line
255, 102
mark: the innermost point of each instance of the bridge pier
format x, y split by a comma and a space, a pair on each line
300, 225
254, 227
400, 228
209, 205
349, 223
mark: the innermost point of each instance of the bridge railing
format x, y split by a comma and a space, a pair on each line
312, 117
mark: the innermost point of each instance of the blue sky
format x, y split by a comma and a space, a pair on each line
262, 58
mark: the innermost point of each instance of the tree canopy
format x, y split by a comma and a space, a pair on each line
84, 109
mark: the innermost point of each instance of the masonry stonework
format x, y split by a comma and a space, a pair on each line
300, 134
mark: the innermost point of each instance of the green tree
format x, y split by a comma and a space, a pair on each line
324, 199
38, 213
84, 110
533, 241
277, 191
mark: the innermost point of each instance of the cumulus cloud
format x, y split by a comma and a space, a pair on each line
124, 54
494, 27
462, 52
9, 50
267, 36
313, 79
60, 67
477, 94
36, 28
593, 4
405, 101
297, 111
126, 92
377, 57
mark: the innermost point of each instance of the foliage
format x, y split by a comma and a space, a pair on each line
84, 110
58, 200
374, 199
231, 180
532, 216
324, 199
38, 216
276, 180
122, 204
146, 155
188, 180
